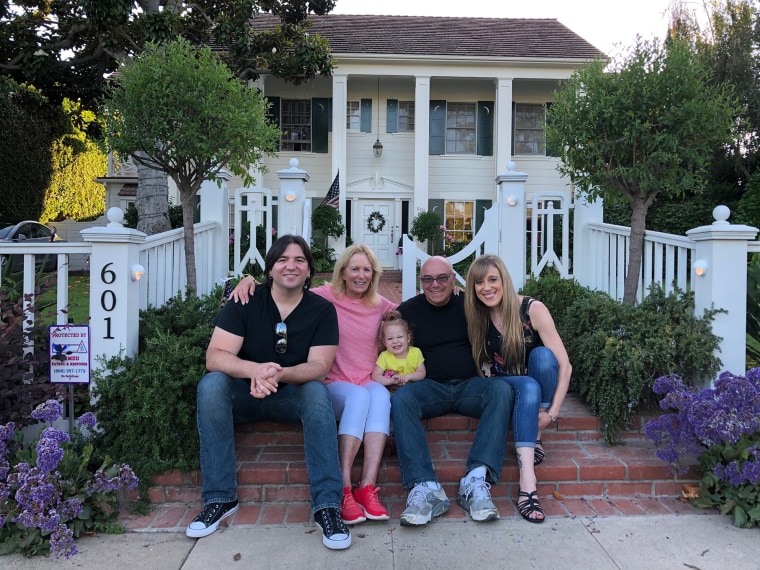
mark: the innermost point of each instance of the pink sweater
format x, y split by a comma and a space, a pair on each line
357, 348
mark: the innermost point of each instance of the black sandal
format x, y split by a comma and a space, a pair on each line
529, 506
538, 454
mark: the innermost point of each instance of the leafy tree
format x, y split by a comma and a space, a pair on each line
29, 125
647, 126
66, 48
182, 111
77, 162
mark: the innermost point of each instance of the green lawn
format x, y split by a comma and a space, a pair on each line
79, 301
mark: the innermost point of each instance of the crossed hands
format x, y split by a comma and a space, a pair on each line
264, 379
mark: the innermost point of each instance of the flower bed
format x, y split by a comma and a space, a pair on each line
721, 427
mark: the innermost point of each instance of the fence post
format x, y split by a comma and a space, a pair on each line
510, 196
114, 291
215, 207
584, 258
290, 201
719, 280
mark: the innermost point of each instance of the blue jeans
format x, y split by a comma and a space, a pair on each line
543, 366
486, 398
224, 401
525, 413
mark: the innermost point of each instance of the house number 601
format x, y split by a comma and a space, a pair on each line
108, 298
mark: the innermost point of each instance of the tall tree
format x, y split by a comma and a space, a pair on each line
182, 111
647, 126
67, 47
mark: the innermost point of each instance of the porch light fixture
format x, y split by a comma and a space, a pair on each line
701, 267
377, 148
512, 201
137, 271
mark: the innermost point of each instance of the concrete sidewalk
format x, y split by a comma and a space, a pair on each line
703, 542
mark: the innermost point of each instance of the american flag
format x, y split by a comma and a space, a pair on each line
333, 194
226, 292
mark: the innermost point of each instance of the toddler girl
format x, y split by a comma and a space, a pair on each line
399, 362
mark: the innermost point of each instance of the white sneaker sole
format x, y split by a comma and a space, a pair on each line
334, 544
418, 520
201, 532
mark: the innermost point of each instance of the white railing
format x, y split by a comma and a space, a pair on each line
666, 260
163, 257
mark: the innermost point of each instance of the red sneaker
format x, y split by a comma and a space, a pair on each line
373, 508
350, 511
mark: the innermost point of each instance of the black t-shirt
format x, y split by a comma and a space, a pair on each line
441, 334
312, 323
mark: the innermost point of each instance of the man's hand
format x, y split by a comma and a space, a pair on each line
265, 379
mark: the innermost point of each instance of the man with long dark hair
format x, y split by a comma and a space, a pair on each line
266, 361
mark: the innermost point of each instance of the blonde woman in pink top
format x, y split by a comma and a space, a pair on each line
362, 406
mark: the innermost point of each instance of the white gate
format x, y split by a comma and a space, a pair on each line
253, 207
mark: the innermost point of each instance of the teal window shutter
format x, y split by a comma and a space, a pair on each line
485, 128
329, 115
480, 212
391, 120
514, 115
273, 114
319, 124
366, 120
437, 127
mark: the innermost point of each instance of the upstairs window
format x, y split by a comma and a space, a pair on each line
460, 128
406, 116
295, 123
529, 129
353, 116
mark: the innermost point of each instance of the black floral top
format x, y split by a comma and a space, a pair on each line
493, 340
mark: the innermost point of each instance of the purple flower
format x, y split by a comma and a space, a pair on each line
62, 542
48, 411
71, 509
86, 420
55, 434
49, 454
7, 431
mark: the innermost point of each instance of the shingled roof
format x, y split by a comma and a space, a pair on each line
460, 37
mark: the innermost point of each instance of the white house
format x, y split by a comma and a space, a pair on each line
435, 108
448, 101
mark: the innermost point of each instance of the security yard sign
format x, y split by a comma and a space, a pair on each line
70, 354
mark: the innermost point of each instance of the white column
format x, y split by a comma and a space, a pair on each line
114, 294
290, 201
721, 255
503, 122
584, 261
340, 98
215, 207
510, 197
421, 145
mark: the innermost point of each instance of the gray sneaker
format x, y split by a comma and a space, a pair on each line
423, 504
475, 498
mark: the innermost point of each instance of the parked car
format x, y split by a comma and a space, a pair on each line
25, 231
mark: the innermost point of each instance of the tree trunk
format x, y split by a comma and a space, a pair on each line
635, 250
152, 200
187, 199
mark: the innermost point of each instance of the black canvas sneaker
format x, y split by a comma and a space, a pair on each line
209, 518
335, 534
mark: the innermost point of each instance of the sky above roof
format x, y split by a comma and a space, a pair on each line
610, 25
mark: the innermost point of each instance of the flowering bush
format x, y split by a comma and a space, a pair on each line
49, 494
721, 427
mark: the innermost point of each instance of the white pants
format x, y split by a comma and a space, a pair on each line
361, 409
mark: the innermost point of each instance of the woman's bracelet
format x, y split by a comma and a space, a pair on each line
551, 417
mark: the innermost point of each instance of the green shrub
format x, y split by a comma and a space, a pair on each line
146, 404
326, 222
617, 350
427, 227
753, 312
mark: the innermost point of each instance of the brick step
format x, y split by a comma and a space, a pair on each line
579, 464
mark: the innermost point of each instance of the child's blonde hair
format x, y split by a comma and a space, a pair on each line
391, 318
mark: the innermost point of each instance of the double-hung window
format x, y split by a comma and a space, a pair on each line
529, 133
460, 128
295, 123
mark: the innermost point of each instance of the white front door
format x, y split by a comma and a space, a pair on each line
380, 241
